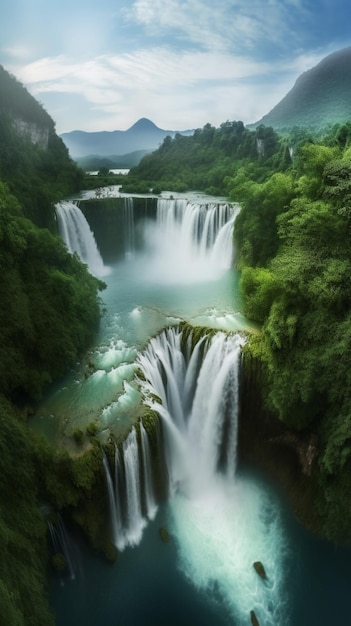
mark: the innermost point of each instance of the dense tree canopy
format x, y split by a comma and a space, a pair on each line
49, 311
48, 305
294, 240
203, 160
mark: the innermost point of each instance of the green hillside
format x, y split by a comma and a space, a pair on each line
34, 161
320, 97
203, 160
49, 311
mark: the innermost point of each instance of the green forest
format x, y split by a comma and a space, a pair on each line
49, 312
293, 237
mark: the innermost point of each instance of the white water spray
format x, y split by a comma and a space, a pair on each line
135, 522
199, 403
222, 524
151, 506
75, 231
130, 488
190, 242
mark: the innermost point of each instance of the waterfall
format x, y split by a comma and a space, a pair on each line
130, 489
199, 404
220, 521
129, 226
198, 394
191, 242
75, 231
150, 502
134, 519
62, 544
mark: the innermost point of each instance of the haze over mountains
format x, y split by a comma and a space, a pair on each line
144, 136
320, 97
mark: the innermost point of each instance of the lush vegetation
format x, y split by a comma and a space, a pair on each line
320, 97
49, 311
102, 181
203, 160
293, 236
49, 308
23, 555
36, 167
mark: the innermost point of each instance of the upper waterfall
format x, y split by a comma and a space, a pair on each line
190, 242
75, 231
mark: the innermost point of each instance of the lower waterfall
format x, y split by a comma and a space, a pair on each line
150, 502
199, 393
222, 524
130, 490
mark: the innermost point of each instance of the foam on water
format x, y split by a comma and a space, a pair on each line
129, 398
220, 534
115, 355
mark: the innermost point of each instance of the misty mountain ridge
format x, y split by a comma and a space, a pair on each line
144, 135
320, 97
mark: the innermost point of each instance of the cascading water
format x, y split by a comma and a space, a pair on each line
191, 242
75, 231
222, 524
62, 544
150, 503
129, 488
200, 430
134, 519
129, 226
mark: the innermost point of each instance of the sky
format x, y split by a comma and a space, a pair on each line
103, 64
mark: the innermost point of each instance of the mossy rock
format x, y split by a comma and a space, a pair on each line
259, 568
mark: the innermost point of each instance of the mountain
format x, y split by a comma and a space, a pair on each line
320, 97
143, 135
113, 161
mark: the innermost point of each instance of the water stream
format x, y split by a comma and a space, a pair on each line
220, 519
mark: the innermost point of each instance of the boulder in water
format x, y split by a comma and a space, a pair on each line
259, 568
254, 620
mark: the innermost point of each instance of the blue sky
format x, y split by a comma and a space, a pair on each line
103, 64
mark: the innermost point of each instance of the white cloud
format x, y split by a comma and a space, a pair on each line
229, 24
177, 86
176, 90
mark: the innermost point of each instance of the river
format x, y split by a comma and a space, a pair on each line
218, 524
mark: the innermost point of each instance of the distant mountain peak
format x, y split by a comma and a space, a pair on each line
144, 135
144, 124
